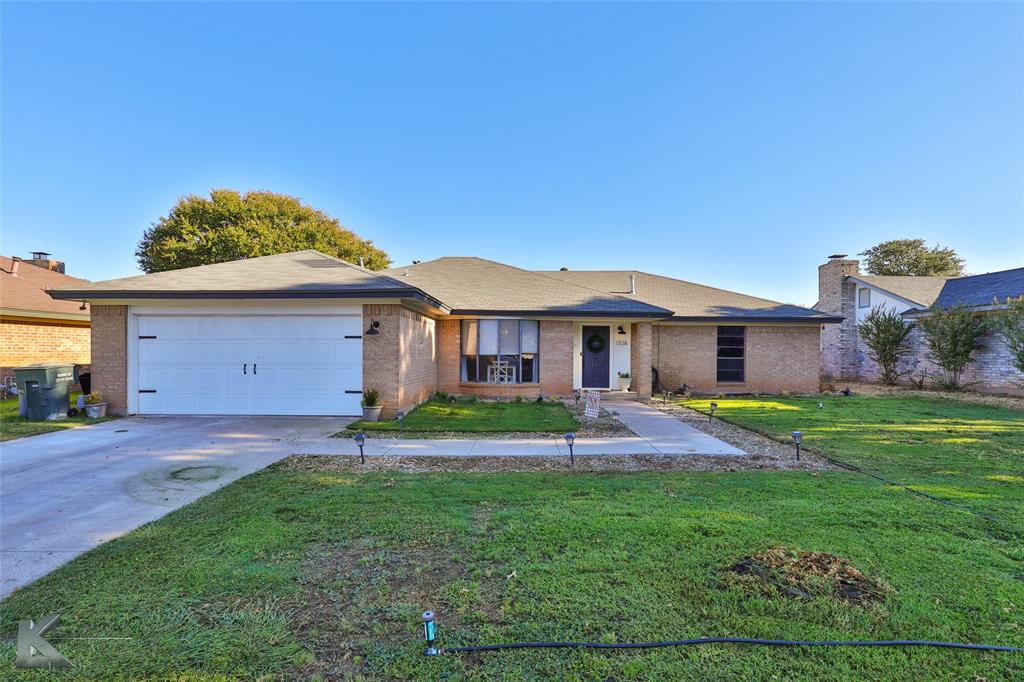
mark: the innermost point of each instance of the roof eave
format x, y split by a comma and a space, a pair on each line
618, 314
749, 319
78, 295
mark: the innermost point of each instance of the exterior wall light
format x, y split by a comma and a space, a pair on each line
570, 438
797, 438
360, 439
374, 326
621, 331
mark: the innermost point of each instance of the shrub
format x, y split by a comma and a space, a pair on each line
518, 398
94, 398
953, 335
885, 333
1010, 322
440, 396
371, 398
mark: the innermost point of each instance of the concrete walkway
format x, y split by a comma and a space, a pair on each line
658, 433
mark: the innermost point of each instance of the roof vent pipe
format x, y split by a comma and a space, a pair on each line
632, 285
15, 264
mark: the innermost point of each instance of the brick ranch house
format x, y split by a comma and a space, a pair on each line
35, 328
305, 333
845, 292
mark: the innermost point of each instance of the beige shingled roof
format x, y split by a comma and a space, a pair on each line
469, 284
28, 290
298, 272
920, 290
688, 300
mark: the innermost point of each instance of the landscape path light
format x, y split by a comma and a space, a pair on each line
570, 438
797, 438
714, 406
401, 422
360, 439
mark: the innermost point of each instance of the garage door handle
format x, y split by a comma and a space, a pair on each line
254, 368
243, 368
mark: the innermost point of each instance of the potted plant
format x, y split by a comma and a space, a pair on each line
623, 381
371, 405
95, 406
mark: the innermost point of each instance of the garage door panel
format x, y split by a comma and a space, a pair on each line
236, 364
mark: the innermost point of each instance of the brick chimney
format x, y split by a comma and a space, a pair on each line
836, 296
41, 259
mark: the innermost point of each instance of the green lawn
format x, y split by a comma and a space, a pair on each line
967, 453
12, 426
471, 416
290, 573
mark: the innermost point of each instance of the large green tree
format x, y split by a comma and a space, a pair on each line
912, 257
229, 225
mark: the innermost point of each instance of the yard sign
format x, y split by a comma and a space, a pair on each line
593, 405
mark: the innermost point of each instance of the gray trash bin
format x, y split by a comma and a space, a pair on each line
44, 391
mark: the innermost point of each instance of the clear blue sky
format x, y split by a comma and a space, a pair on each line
734, 145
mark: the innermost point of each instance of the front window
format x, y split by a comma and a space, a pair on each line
730, 354
500, 351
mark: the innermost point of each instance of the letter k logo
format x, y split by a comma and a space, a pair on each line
33, 650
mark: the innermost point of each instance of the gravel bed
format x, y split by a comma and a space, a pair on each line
487, 464
764, 449
1012, 402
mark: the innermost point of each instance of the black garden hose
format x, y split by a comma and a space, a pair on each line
730, 640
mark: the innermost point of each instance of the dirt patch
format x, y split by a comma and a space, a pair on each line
361, 597
807, 575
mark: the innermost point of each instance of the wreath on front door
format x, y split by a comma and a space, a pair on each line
595, 344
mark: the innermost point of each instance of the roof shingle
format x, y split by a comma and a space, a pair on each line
28, 291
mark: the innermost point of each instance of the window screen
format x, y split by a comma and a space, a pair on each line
730, 354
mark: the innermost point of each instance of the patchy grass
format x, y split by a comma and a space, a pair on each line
12, 426
475, 416
291, 574
967, 453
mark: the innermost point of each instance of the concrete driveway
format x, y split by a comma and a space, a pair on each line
63, 493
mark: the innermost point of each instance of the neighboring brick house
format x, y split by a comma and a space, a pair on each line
843, 291
304, 333
35, 328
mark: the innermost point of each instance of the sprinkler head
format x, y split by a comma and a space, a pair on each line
429, 633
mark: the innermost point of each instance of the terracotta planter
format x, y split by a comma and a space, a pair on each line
372, 414
96, 411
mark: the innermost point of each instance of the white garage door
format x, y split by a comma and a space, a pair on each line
234, 364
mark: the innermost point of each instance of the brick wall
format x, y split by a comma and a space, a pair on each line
778, 358
28, 342
418, 352
109, 355
990, 370
555, 363
836, 296
399, 361
641, 358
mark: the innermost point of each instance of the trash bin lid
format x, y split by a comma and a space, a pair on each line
47, 365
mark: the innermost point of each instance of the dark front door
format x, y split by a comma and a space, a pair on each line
596, 354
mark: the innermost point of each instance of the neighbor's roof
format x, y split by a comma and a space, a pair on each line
920, 290
27, 294
477, 286
689, 301
286, 275
981, 290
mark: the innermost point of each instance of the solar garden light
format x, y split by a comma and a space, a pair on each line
576, 396
797, 437
570, 438
401, 422
821, 405
360, 439
428, 634
714, 406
